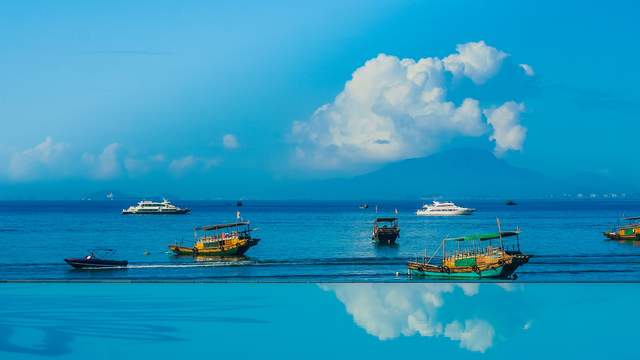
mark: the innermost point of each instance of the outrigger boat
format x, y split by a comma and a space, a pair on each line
470, 260
385, 230
219, 240
91, 261
631, 231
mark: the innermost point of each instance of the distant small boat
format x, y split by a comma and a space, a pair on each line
91, 261
443, 209
146, 207
510, 203
232, 239
630, 231
363, 206
238, 203
385, 230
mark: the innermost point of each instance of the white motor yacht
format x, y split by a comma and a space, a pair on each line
443, 209
155, 208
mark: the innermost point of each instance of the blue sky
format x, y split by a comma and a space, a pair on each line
141, 95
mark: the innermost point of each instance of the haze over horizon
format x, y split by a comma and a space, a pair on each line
246, 99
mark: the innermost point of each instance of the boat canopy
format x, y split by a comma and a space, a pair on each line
386, 219
483, 237
222, 226
632, 218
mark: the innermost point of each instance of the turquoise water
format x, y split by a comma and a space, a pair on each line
286, 321
308, 241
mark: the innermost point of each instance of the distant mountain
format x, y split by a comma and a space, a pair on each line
460, 172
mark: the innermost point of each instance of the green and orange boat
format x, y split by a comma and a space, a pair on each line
628, 232
219, 240
474, 257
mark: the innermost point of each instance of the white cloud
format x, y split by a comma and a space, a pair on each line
139, 166
528, 70
475, 335
229, 141
49, 158
394, 109
190, 163
386, 311
179, 166
107, 165
476, 60
508, 133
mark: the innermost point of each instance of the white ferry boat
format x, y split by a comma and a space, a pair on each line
443, 209
155, 208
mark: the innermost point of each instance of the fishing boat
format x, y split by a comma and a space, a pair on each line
363, 206
510, 203
448, 208
146, 207
473, 257
232, 239
630, 231
385, 230
92, 261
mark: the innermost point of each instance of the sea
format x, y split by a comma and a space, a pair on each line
318, 321
309, 241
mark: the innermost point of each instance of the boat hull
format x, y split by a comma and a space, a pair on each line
143, 212
385, 238
502, 270
447, 213
498, 272
239, 250
626, 237
82, 263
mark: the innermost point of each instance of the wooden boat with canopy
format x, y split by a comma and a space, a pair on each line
473, 257
232, 239
385, 230
630, 231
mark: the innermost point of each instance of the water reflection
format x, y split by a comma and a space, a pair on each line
388, 311
48, 324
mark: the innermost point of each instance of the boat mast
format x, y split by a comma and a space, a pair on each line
500, 233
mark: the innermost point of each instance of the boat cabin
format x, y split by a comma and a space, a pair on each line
478, 249
630, 231
213, 235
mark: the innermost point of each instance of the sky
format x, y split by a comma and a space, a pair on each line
200, 99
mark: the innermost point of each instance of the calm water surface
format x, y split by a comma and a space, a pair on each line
287, 321
308, 241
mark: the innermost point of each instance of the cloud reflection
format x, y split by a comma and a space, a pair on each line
388, 311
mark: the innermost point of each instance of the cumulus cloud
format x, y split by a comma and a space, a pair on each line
387, 312
394, 108
49, 158
190, 163
107, 164
508, 133
475, 60
475, 335
139, 166
229, 141
528, 70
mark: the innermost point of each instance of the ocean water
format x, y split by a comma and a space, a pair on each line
304, 241
293, 321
